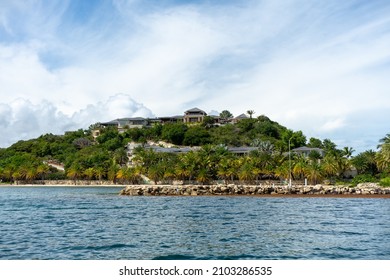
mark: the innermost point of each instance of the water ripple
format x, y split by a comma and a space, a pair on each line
95, 223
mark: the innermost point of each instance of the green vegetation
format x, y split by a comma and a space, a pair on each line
363, 178
105, 157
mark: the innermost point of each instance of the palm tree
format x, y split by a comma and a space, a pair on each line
17, 175
203, 176
329, 166
189, 160
283, 171
348, 151
42, 170
314, 172
120, 156
223, 169
181, 172
169, 174
383, 157
155, 173
299, 166
99, 172
384, 140
366, 162
74, 172
89, 173
250, 113
7, 173
113, 172
129, 174
248, 170
31, 173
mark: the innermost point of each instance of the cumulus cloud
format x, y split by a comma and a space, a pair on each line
311, 66
21, 119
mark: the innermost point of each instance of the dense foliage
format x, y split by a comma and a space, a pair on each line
105, 157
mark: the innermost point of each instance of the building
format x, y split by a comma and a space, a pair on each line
239, 118
126, 123
307, 150
194, 115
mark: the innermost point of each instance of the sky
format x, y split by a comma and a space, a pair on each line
322, 67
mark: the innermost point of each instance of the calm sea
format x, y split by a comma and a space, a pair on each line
96, 223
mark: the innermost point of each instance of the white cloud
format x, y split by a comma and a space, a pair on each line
311, 66
333, 125
22, 119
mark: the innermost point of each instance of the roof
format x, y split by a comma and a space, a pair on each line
194, 110
241, 150
307, 149
159, 149
242, 116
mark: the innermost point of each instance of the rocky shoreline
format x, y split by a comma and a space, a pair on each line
231, 189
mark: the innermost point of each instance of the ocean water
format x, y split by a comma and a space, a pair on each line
97, 223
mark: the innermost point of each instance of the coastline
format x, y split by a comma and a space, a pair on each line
361, 191
367, 190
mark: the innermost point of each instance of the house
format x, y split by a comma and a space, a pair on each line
239, 118
194, 115
172, 119
125, 123
307, 150
241, 151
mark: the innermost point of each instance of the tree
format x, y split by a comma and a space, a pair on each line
314, 172
329, 166
250, 113
112, 173
300, 163
120, 156
366, 162
81, 142
99, 172
156, 173
208, 121
196, 136
247, 172
347, 152
329, 147
203, 176
295, 138
385, 140
225, 115
383, 158
264, 146
74, 172
315, 143
31, 174
174, 133
89, 173
42, 170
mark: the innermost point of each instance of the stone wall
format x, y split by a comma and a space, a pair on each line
161, 190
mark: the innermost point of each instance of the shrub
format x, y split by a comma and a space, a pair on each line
385, 182
363, 178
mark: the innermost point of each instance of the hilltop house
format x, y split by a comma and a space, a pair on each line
239, 118
194, 115
126, 123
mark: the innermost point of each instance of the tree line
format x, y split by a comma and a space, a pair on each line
105, 157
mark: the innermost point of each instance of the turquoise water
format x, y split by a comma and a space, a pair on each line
96, 223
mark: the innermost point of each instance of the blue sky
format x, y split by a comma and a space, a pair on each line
322, 67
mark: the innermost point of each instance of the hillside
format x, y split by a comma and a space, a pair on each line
105, 157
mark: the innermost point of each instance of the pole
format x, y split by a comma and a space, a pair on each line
289, 161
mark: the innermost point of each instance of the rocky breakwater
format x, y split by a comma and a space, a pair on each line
232, 189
